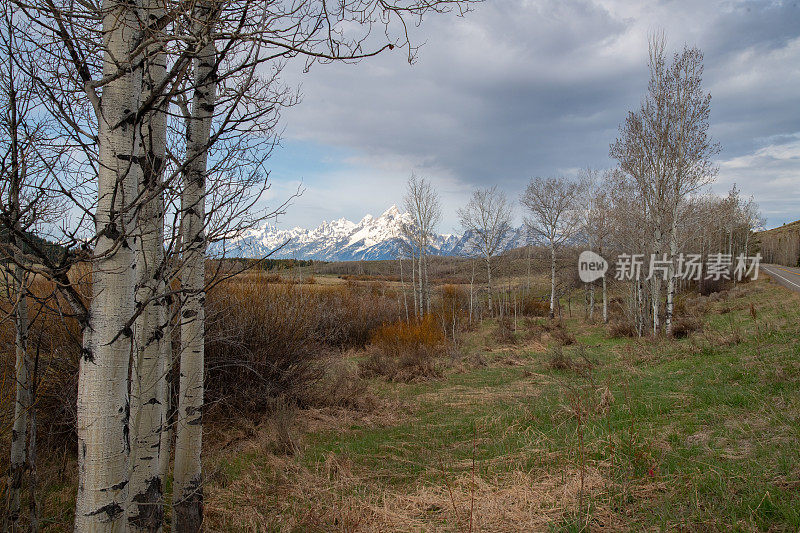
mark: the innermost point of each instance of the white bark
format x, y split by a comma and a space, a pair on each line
489, 282
671, 282
605, 302
187, 488
103, 408
414, 282
471, 290
145, 494
23, 403
552, 281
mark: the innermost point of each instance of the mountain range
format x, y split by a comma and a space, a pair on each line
371, 238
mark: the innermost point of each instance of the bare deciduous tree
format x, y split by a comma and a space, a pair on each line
596, 223
553, 218
665, 148
486, 220
422, 202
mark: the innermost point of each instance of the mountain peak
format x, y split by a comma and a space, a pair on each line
343, 240
391, 212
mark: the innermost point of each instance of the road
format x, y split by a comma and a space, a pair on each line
789, 277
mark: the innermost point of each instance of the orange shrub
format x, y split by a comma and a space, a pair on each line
406, 351
532, 306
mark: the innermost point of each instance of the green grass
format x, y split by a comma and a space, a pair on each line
702, 432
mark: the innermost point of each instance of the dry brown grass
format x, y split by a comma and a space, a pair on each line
333, 495
271, 340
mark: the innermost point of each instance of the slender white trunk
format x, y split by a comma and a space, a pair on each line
655, 282
421, 310
23, 403
188, 480
552, 281
427, 285
671, 281
489, 282
403, 287
605, 302
471, 291
103, 407
166, 394
414, 282
145, 494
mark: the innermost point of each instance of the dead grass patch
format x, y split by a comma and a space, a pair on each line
333, 495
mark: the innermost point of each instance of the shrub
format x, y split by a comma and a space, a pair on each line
621, 328
685, 325
504, 332
535, 307
265, 341
558, 360
561, 335
407, 351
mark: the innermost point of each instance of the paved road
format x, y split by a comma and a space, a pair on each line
789, 277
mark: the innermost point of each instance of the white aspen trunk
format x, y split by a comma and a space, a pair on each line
23, 403
145, 494
489, 282
605, 302
403, 287
427, 285
16, 280
671, 285
471, 291
103, 406
655, 283
640, 307
166, 394
414, 282
421, 300
188, 481
552, 281
34, 504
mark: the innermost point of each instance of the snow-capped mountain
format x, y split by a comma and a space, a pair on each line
342, 240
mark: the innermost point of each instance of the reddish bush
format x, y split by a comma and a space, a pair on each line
535, 307
406, 351
621, 328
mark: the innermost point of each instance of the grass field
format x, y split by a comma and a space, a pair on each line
697, 434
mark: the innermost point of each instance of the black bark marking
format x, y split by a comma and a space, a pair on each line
87, 355
111, 231
118, 486
126, 430
111, 510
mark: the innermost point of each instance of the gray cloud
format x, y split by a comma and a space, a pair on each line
519, 88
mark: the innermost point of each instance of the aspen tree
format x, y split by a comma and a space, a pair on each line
188, 480
103, 403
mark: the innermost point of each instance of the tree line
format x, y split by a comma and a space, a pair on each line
655, 203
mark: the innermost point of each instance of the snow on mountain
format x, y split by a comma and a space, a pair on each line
342, 240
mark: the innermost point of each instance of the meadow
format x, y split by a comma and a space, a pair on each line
327, 411
530, 434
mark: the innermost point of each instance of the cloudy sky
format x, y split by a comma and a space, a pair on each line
519, 88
